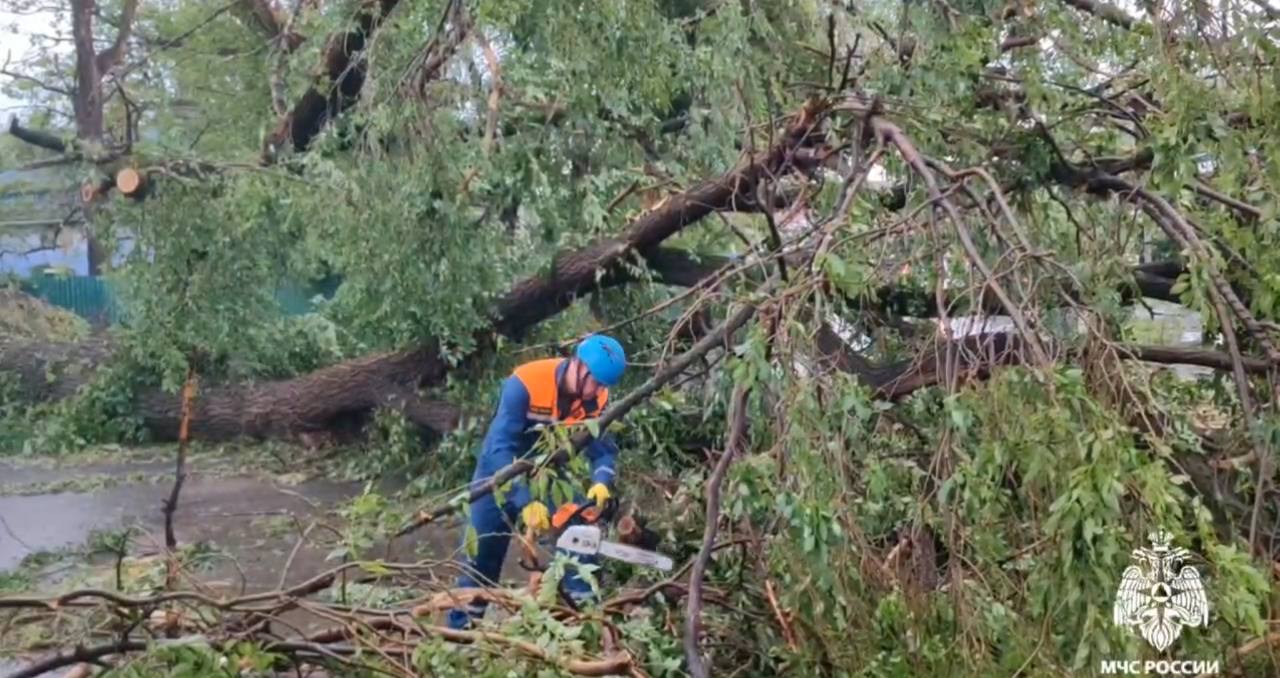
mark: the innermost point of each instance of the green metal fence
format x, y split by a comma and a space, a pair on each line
97, 300
88, 296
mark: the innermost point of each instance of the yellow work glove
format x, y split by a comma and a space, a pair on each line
535, 516
600, 493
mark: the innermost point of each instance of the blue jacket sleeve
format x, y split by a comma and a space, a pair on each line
505, 438
603, 452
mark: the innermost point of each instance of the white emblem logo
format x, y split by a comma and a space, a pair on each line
1160, 594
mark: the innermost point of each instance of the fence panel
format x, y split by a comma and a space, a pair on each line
97, 300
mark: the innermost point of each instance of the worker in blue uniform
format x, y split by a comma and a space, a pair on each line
539, 393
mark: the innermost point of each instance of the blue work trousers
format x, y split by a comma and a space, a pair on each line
494, 527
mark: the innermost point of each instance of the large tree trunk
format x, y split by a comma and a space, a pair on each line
333, 402
87, 102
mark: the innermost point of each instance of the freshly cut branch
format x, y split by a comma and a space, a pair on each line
132, 183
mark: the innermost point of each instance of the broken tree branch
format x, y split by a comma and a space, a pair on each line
1244, 209
693, 606
980, 354
179, 475
347, 392
1176, 227
79, 654
36, 138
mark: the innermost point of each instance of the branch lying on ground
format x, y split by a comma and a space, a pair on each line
577, 666
80, 655
247, 611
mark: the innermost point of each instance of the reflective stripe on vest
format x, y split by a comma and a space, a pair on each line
539, 379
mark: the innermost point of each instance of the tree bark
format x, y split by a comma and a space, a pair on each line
87, 101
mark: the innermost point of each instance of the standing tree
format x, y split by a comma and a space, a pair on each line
95, 69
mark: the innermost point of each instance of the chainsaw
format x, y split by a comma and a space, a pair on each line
577, 529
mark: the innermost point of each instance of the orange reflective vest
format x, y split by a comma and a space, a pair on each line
539, 379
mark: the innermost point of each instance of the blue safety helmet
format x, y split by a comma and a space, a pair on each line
604, 358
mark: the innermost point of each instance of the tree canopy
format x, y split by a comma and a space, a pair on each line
880, 267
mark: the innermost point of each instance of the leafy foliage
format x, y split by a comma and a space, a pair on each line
975, 522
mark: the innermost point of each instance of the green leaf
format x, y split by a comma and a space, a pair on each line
471, 541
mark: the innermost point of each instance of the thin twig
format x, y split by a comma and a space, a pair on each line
894, 135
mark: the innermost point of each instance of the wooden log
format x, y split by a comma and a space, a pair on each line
132, 182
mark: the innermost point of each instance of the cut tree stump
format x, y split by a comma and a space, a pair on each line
132, 182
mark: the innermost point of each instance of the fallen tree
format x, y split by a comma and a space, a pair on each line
333, 398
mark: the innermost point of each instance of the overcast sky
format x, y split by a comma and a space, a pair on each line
15, 45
